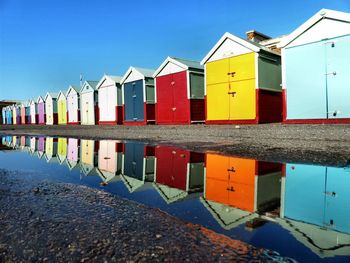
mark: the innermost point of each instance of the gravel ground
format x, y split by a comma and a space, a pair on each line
54, 222
318, 144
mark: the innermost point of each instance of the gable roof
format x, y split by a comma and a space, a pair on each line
147, 73
71, 87
52, 95
91, 83
253, 46
40, 97
116, 79
184, 63
322, 14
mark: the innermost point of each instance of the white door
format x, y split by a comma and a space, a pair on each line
103, 103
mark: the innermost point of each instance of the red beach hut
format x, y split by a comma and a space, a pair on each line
179, 92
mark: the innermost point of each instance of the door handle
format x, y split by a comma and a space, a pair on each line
232, 93
334, 73
231, 189
232, 74
174, 109
232, 169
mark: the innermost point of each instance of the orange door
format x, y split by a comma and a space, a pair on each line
230, 181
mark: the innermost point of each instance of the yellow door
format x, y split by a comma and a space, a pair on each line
242, 100
218, 103
62, 112
49, 146
217, 71
230, 87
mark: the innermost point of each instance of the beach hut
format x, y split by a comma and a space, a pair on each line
3, 115
110, 100
138, 96
242, 82
18, 114
73, 105
179, 92
89, 113
33, 144
62, 108
41, 111
316, 71
73, 153
110, 160
33, 112
62, 150
51, 108
41, 147
315, 207
27, 111
9, 119
89, 155
23, 112
14, 114
246, 184
139, 165
179, 173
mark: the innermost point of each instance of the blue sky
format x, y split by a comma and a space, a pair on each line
45, 45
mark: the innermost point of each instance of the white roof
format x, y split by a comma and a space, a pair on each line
183, 63
148, 73
61, 93
70, 88
323, 13
246, 43
116, 79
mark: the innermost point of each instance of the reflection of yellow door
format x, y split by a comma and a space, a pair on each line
49, 146
230, 181
87, 151
231, 88
62, 149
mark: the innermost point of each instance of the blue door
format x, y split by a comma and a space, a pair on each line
9, 116
338, 77
305, 82
337, 215
304, 193
133, 162
133, 98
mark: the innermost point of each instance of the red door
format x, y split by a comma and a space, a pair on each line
181, 103
172, 102
171, 167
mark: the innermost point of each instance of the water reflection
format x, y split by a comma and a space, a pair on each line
244, 198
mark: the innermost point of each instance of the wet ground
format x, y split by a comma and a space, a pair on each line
318, 144
41, 221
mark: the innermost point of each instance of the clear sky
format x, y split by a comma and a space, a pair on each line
46, 44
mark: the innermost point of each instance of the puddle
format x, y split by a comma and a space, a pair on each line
300, 211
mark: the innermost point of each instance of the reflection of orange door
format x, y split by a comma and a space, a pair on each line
230, 181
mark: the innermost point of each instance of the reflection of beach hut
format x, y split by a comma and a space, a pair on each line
110, 160
73, 105
243, 82
33, 144
62, 149
27, 112
51, 150
316, 70
179, 92
110, 100
139, 164
41, 147
41, 111
62, 108
89, 113
9, 115
14, 114
33, 112
138, 96
88, 153
179, 173
246, 184
73, 153
51, 108
3, 115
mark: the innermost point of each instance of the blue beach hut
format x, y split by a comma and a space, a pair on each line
316, 70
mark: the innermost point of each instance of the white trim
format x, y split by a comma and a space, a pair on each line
155, 170
144, 170
70, 88
323, 13
283, 189
232, 37
256, 71
126, 75
59, 95
155, 91
188, 84
144, 89
256, 180
283, 69
166, 61
123, 101
205, 80
188, 177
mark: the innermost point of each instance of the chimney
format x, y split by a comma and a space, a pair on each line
256, 36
